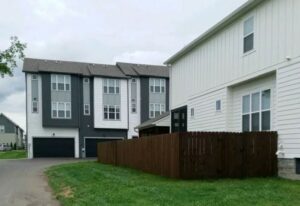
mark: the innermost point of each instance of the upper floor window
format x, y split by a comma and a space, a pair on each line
61, 110
133, 95
249, 34
60, 82
256, 111
111, 112
218, 105
156, 110
86, 109
157, 85
2, 129
111, 86
34, 93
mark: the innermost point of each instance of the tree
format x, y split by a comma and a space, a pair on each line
9, 57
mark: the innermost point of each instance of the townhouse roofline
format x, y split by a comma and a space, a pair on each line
120, 70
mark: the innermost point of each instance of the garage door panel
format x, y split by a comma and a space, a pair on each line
53, 147
91, 146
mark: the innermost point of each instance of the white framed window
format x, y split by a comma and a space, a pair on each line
111, 112
248, 39
61, 110
60, 82
156, 109
218, 105
34, 93
111, 86
133, 107
35, 106
86, 110
256, 111
2, 129
157, 85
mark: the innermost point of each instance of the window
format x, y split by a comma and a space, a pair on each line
60, 82
297, 166
249, 35
256, 111
86, 80
133, 95
111, 112
34, 93
218, 105
111, 86
156, 110
2, 129
61, 110
86, 109
192, 112
133, 108
157, 85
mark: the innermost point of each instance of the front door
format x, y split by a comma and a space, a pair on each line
179, 119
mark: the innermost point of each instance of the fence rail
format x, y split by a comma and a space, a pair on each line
194, 155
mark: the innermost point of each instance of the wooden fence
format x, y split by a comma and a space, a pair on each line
196, 155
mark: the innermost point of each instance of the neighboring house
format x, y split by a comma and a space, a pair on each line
244, 75
10, 132
71, 106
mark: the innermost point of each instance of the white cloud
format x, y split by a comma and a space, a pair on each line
142, 57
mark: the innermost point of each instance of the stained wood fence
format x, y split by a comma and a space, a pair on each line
196, 155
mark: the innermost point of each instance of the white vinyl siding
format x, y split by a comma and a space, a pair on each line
288, 112
219, 61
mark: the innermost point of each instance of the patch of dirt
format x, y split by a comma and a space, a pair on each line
67, 192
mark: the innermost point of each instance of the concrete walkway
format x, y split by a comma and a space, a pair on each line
22, 182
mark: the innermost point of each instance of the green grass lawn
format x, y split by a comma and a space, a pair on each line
91, 183
14, 154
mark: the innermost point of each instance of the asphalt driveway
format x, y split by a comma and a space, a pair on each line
22, 182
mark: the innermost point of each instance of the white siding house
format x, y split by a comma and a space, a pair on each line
244, 75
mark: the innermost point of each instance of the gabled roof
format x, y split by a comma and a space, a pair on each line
120, 70
152, 122
45, 65
130, 69
212, 31
3, 115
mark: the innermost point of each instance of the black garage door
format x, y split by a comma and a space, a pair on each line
53, 147
91, 146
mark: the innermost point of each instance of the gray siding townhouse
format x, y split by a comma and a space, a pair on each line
10, 132
71, 105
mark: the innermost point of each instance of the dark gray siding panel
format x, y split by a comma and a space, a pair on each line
46, 103
167, 94
9, 126
144, 99
87, 121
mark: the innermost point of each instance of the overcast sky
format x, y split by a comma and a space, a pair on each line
100, 31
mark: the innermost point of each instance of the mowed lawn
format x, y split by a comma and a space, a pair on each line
14, 154
91, 183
